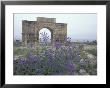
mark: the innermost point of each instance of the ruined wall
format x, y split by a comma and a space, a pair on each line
30, 30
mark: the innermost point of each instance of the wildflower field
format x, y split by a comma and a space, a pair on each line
59, 58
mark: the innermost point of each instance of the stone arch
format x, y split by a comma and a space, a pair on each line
58, 30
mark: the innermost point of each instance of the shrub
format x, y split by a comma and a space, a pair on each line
62, 60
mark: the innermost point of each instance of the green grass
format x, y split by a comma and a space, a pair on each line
25, 51
93, 52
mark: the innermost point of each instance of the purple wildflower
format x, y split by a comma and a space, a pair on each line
44, 38
70, 66
32, 57
50, 56
22, 61
57, 45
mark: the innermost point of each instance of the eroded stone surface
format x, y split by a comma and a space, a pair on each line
30, 30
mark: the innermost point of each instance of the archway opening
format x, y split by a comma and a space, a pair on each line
45, 36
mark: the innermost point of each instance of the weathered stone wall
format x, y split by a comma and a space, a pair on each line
30, 30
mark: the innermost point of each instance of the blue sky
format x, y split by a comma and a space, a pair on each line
79, 26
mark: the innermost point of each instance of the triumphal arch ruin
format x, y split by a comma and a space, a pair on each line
30, 30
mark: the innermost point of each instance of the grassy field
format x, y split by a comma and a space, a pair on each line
56, 60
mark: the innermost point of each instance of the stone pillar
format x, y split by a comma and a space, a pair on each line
37, 38
35, 43
25, 41
53, 38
